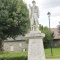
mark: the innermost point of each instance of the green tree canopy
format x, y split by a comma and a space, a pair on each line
49, 35
14, 18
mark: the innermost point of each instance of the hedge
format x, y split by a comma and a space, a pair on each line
14, 58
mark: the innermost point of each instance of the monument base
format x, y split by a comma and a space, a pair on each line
35, 48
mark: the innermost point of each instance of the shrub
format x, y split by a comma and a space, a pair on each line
14, 58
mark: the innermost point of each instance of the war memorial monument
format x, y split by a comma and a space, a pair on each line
35, 47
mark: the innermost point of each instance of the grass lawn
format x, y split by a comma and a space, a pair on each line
56, 53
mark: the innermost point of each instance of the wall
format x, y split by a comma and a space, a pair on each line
56, 43
15, 46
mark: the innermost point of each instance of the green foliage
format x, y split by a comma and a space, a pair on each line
48, 35
14, 18
14, 58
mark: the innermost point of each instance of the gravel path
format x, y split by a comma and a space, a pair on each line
52, 59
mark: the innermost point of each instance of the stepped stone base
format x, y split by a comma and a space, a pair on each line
35, 48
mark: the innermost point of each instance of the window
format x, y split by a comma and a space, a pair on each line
11, 48
20, 44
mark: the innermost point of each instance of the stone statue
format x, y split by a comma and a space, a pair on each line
35, 46
34, 15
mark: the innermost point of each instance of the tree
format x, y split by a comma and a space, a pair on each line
48, 35
14, 19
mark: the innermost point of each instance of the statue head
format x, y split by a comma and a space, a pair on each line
33, 2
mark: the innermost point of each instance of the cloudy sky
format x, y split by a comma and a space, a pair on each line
52, 6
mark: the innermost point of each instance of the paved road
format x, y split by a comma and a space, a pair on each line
52, 59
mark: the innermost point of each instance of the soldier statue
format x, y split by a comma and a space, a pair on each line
34, 15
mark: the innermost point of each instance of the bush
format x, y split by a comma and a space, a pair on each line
14, 58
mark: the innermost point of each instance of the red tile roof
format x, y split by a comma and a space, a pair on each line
56, 34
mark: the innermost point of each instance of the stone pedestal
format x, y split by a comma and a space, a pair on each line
35, 48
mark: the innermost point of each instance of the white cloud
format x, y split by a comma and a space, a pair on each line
51, 3
53, 6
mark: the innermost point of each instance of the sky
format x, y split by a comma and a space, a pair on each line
45, 6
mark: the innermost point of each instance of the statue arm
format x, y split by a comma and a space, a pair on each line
30, 11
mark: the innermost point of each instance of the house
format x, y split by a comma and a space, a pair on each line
17, 45
56, 39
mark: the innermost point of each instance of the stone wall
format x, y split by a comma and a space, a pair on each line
15, 46
56, 43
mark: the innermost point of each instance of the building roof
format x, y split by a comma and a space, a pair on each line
18, 38
56, 34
